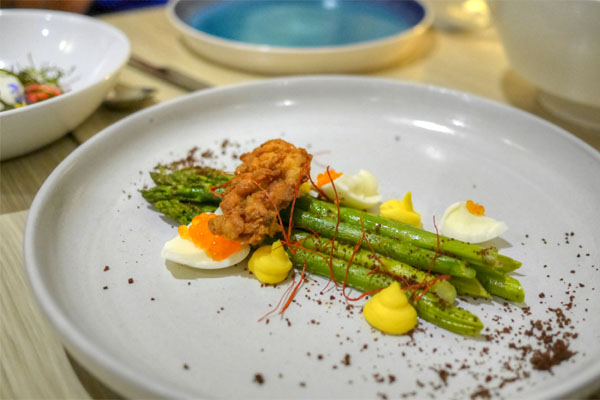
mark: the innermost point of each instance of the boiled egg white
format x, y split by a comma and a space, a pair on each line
184, 251
465, 221
359, 191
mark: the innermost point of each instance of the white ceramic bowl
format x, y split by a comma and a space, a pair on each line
94, 50
556, 46
271, 37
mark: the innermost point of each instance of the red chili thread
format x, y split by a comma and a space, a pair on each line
318, 189
286, 239
279, 302
290, 222
337, 203
213, 189
291, 297
337, 224
427, 283
435, 256
377, 258
364, 294
437, 247
292, 246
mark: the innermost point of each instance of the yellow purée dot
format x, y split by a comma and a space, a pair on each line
390, 312
402, 211
270, 264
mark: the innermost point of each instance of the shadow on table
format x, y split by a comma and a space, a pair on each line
95, 388
522, 94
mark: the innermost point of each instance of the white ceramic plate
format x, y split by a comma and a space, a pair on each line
442, 145
91, 51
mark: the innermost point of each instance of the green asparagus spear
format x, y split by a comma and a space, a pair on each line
491, 280
469, 287
500, 284
184, 193
429, 307
443, 289
190, 176
401, 251
418, 237
197, 194
182, 212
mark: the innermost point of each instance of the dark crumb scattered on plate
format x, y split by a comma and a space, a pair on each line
346, 360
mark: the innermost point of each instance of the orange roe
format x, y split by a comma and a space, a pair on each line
184, 232
218, 247
323, 179
475, 209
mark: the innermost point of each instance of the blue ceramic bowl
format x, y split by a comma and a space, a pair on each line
300, 36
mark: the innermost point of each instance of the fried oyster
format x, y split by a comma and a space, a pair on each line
267, 178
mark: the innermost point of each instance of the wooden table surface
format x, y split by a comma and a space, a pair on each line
33, 362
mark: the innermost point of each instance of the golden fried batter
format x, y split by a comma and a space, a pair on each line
248, 213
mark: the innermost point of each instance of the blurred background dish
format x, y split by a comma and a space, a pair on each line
295, 37
556, 46
459, 15
89, 51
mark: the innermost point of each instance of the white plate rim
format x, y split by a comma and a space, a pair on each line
77, 342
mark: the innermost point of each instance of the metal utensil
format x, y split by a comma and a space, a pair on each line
167, 74
123, 97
